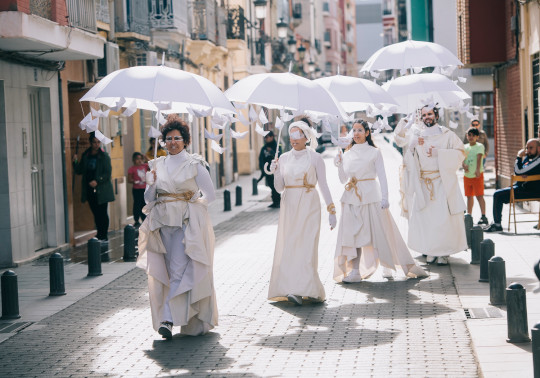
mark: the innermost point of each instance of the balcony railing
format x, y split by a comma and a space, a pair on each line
82, 14
236, 26
102, 11
297, 10
203, 20
132, 16
167, 14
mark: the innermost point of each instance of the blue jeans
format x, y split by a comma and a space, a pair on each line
502, 196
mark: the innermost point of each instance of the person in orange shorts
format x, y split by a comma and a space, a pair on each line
474, 173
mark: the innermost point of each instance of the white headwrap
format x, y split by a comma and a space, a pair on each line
310, 134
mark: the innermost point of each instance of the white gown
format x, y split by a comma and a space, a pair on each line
364, 224
176, 245
294, 270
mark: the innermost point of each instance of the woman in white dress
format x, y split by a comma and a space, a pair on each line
294, 272
367, 235
176, 240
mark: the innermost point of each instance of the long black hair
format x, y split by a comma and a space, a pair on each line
365, 125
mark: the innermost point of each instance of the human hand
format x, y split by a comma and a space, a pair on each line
477, 173
522, 153
75, 158
338, 160
465, 167
274, 165
332, 220
432, 152
93, 183
420, 141
151, 177
384, 204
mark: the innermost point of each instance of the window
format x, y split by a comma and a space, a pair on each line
535, 89
484, 100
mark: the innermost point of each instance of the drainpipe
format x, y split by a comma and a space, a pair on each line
63, 147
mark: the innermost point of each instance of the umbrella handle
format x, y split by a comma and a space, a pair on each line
266, 170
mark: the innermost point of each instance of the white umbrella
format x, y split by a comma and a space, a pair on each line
356, 94
412, 91
148, 87
410, 54
285, 91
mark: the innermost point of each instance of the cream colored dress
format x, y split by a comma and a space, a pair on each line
181, 228
364, 224
294, 270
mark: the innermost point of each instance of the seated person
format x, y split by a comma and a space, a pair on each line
527, 164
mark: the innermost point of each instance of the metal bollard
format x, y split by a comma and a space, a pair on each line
238, 196
468, 225
10, 295
497, 281
535, 335
105, 251
94, 258
487, 251
477, 235
255, 187
537, 269
56, 275
227, 200
129, 243
516, 308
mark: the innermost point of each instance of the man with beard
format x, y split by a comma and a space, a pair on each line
527, 164
267, 154
431, 198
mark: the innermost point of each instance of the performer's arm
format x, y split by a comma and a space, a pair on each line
381, 174
150, 191
320, 168
279, 183
204, 182
341, 173
400, 134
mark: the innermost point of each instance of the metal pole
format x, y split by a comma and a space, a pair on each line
56, 275
477, 235
535, 335
255, 188
94, 258
129, 243
497, 281
487, 251
238, 195
516, 307
10, 295
227, 200
468, 226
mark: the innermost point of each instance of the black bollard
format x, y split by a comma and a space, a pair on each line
255, 187
94, 257
516, 310
227, 200
105, 251
487, 251
468, 225
535, 335
129, 243
537, 269
238, 196
497, 281
56, 275
477, 235
10, 295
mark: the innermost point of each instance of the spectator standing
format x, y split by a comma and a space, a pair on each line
473, 181
150, 153
267, 154
482, 138
137, 177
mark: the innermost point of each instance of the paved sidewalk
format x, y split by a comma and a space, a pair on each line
374, 328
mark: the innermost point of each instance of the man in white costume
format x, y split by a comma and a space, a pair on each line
431, 198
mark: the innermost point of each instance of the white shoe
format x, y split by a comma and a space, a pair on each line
443, 260
165, 330
430, 259
387, 273
354, 276
417, 272
296, 299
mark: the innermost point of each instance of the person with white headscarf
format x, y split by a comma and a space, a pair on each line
294, 271
367, 234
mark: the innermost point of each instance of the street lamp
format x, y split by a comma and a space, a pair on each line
282, 28
260, 8
311, 66
301, 52
292, 45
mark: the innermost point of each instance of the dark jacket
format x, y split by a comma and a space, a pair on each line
104, 189
267, 154
528, 167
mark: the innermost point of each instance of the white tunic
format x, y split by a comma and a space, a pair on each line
364, 224
193, 303
294, 270
432, 199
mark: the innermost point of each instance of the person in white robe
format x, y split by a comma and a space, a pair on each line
176, 240
296, 174
431, 197
367, 233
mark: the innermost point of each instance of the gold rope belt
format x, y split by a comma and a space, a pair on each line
429, 181
352, 184
184, 196
305, 184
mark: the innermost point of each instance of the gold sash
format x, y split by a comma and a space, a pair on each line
184, 196
352, 184
305, 184
429, 182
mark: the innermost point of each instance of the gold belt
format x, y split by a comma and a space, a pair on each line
305, 184
184, 196
429, 181
352, 184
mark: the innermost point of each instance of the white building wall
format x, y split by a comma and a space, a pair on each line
18, 81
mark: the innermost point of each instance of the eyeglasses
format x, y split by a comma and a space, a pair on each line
176, 139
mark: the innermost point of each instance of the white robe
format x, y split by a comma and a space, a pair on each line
364, 224
176, 246
294, 270
434, 205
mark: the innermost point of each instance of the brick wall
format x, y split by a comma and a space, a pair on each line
59, 12
15, 6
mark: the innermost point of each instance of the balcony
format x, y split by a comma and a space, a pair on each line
203, 20
131, 19
82, 14
236, 25
164, 17
297, 11
102, 11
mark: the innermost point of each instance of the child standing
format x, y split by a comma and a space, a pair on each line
137, 177
474, 173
